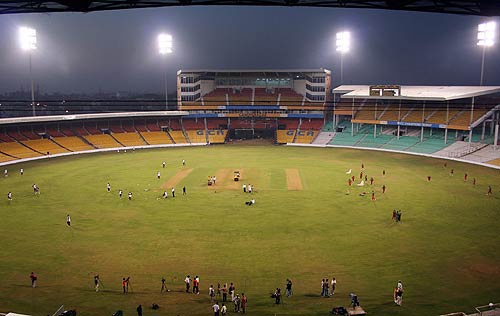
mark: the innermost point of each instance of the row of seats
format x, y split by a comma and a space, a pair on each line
456, 116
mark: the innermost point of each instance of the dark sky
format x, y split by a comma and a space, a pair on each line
116, 50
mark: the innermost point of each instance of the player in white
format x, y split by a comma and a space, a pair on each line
183, 162
173, 192
120, 192
163, 164
130, 195
9, 196
36, 189
21, 171
249, 188
108, 186
158, 175
68, 220
5, 173
165, 194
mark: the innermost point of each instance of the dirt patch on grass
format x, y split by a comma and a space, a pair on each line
172, 182
235, 185
222, 175
293, 181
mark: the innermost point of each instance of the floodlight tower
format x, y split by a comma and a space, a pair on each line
485, 38
27, 40
165, 47
343, 43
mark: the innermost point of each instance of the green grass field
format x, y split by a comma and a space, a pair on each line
446, 250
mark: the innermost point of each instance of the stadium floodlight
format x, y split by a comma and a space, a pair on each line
165, 45
27, 40
485, 38
486, 34
343, 44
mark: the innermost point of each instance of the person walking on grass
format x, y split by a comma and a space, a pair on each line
237, 303
33, 278
244, 301
139, 310
124, 286
68, 220
96, 282
334, 285
163, 285
216, 308
288, 287
187, 281
223, 310
224, 292
211, 293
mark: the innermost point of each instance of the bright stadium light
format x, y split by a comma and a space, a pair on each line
343, 44
165, 45
485, 38
486, 34
27, 41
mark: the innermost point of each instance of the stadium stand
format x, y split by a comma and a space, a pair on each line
45, 146
178, 137
240, 97
288, 97
156, 138
265, 96
5, 158
197, 136
285, 136
102, 141
305, 136
73, 143
18, 150
217, 96
129, 139
217, 136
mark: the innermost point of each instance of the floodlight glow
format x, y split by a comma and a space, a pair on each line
343, 41
27, 38
165, 44
486, 34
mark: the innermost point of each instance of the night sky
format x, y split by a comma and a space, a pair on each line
116, 50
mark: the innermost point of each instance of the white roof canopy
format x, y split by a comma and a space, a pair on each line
428, 93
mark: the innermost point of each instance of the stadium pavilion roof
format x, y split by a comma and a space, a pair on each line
427, 93
467, 7
264, 72
74, 117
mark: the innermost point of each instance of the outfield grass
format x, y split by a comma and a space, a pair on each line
446, 250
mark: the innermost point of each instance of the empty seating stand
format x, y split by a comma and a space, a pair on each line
157, 138
102, 141
129, 139
73, 143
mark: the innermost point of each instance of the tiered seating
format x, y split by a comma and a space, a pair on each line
439, 116
16, 135
17, 150
311, 124
191, 124
217, 96
197, 136
285, 136
4, 158
73, 143
129, 139
414, 116
93, 130
366, 112
263, 97
175, 124
128, 126
237, 124
217, 136
116, 129
288, 97
80, 131
290, 123
44, 146
178, 137
152, 125
344, 108
5, 138
29, 134
243, 97
392, 113
156, 138
306, 137
140, 126
216, 123
66, 130
102, 141
463, 119
54, 132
